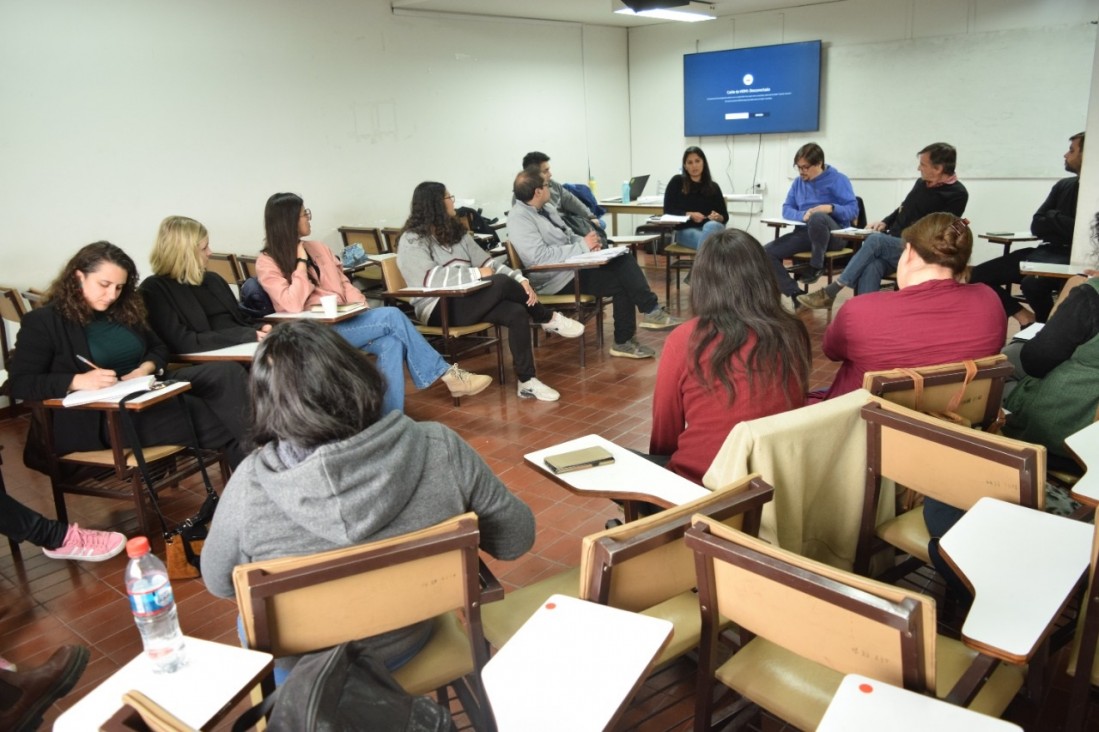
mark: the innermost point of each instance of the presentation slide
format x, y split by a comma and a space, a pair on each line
752, 90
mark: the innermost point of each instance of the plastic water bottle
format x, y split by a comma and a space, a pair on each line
154, 607
625, 191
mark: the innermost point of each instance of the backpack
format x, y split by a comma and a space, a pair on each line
254, 300
478, 224
343, 689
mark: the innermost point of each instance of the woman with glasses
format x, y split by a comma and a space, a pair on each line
694, 194
296, 273
191, 308
436, 250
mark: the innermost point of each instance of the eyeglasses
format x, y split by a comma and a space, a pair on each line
307, 214
805, 168
449, 198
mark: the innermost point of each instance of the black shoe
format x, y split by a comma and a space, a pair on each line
40, 687
811, 275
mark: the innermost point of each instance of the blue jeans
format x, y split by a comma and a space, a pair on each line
390, 336
877, 258
815, 236
693, 236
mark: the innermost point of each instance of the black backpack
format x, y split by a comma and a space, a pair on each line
344, 689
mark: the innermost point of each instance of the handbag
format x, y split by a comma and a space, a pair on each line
183, 543
353, 255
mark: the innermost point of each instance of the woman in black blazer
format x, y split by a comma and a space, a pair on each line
91, 333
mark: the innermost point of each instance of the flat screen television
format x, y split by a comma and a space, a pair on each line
752, 90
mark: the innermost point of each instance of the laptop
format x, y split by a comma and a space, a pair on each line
637, 185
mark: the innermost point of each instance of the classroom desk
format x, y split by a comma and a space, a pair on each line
1006, 240
319, 317
1045, 269
654, 206
862, 704
216, 677
574, 665
630, 478
1085, 444
240, 353
1023, 565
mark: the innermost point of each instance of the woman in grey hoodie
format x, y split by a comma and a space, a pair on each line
330, 471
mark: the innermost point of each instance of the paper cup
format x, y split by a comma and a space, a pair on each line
328, 304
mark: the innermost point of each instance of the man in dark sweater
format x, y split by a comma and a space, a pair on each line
1053, 223
937, 190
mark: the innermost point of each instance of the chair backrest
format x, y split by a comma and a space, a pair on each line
370, 238
391, 274
974, 388
642, 563
34, 297
513, 256
948, 462
848, 623
860, 217
226, 266
12, 309
295, 605
247, 265
392, 237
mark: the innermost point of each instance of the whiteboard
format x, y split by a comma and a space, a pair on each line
976, 91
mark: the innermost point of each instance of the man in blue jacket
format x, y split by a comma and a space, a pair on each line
823, 198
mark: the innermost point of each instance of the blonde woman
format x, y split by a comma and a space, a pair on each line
190, 308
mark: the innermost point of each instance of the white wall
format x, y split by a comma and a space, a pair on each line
881, 102
118, 113
1083, 249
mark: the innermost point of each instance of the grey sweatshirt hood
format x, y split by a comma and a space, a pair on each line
341, 501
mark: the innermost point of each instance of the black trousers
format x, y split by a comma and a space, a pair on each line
20, 523
1040, 292
503, 302
623, 280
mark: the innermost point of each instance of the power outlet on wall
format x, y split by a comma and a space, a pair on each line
760, 187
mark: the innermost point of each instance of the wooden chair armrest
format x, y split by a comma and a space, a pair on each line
491, 589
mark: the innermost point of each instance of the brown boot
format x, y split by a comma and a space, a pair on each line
26, 695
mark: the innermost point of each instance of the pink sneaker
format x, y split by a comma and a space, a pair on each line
88, 545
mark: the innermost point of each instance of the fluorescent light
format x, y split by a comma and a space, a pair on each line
685, 16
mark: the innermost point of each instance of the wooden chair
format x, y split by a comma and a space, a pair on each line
114, 472
804, 625
971, 389
247, 265
679, 259
227, 266
578, 305
473, 337
950, 463
641, 566
373, 242
1083, 664
139, 713
295, 605
12, 310
391, 236
833, 257
16, 552
34, 297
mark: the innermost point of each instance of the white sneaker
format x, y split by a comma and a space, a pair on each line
564, 327
535, 389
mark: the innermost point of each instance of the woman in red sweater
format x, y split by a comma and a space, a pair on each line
741, 357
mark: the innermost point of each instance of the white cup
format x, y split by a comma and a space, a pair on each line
328, 304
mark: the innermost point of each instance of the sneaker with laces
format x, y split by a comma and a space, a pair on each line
817, 299
88, 545
564, 327
659, 319
811, 275
532, 388
632, 349
463, 383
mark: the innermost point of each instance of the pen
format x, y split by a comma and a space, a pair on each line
86, 361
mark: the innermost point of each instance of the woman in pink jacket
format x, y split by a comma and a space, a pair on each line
296, 273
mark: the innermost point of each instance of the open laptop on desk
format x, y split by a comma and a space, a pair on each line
637, 185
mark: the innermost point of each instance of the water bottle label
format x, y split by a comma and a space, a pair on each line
154, 602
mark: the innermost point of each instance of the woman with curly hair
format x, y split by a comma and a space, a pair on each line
742, 356
296, 273
694, 194
94, 315
436, 250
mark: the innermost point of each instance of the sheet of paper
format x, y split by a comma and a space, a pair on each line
463, 286
112, 393
670, 219
779, 221
600, 255
1029, 332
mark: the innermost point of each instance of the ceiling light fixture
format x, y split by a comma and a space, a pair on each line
684, 11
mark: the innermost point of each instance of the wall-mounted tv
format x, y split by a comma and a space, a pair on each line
752, 90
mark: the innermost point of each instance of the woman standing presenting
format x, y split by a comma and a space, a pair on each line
695, 195
437, 251
743, 356
296, 273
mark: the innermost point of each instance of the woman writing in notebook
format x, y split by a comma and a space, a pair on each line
296, 273
742, 356
436, 250
694, 194
92, 333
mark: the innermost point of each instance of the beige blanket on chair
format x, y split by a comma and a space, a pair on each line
815, 457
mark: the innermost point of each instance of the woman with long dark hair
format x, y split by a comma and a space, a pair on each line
436, 250
333, 469
742, 356
94, 315
296, 273
694, 194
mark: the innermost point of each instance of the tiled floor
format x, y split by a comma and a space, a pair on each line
46, 603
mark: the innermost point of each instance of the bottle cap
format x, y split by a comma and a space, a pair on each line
137, 547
